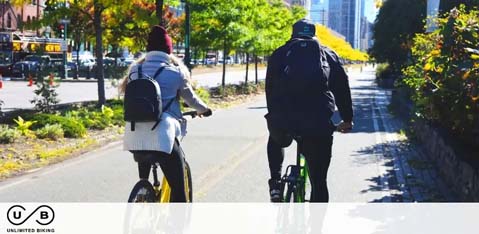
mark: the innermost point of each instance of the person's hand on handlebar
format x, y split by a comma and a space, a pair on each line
345, 127
207, 113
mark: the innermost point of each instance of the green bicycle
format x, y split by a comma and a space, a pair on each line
295, 181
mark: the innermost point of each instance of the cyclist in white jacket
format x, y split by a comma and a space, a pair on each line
174, 83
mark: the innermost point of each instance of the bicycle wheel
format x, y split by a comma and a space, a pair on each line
142, 192
188, 183
298, 193
290, 191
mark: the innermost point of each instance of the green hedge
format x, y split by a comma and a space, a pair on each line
71, 127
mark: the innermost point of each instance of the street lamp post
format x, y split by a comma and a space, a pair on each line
65, 23
187, 34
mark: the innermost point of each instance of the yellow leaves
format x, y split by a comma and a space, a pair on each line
343, 48
427, 67
475, 56
435, 52
466, 75
378, 3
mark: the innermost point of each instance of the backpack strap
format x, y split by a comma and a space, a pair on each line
140, 71
164, 109
157, 73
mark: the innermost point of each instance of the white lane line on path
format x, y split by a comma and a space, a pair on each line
391, 137
210, 178
385, 191
61, 165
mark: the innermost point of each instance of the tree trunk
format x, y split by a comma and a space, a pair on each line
223, 81
159, 11
256, 68
99, 52
247, 68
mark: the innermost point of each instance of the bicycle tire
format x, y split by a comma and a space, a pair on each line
299, 193
189, 182
289, 193
142, 192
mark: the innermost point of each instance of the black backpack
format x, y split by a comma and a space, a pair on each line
301, 92
143, 99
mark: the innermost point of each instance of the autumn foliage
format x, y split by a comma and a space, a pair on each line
444, 73
343, 48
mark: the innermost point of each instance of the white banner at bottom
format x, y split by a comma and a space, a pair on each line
226, 218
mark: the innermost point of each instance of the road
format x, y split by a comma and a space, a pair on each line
17, 94
227, 154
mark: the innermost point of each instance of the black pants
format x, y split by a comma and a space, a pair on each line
172, 167
316, 150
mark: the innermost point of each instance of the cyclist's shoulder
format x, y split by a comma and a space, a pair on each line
330, 52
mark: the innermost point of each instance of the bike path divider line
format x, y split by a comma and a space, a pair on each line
213, 176
396, 158
385, 191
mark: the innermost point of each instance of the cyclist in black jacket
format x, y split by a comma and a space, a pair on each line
317, 139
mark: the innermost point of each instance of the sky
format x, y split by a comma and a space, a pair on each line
370, 10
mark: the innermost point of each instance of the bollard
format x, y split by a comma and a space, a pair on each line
30, 80
1, 81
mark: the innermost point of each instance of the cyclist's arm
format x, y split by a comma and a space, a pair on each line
190, 97
271, 75
339, 85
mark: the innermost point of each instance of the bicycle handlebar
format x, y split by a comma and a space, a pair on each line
193, 114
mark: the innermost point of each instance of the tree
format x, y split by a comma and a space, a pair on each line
339, 45
218, 22
447, 5
395, 26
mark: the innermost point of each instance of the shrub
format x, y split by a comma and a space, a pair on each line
444, 74
383, 71
50, 131
24, 126
203, 94
117, 118
8, 135
71, 127
46, 95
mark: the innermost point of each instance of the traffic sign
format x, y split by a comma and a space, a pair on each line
64, 46
64, 21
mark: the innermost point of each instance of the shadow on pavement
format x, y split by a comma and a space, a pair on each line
410, 178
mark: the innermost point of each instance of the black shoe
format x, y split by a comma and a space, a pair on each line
274, 190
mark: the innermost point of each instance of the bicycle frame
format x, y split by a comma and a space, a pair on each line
163, 189
163, 192
296, 177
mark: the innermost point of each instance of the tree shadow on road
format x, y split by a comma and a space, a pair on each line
408, 175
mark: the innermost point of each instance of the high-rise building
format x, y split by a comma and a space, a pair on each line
319, 11
304, 3
345, 18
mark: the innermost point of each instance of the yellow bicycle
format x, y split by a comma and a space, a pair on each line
145, 191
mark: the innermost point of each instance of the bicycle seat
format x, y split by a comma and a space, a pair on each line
145, 156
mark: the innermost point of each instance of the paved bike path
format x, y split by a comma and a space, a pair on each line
227, 154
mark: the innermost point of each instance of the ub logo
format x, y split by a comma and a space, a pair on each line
18, 215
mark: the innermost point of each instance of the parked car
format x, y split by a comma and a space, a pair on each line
6, 69
30, 64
